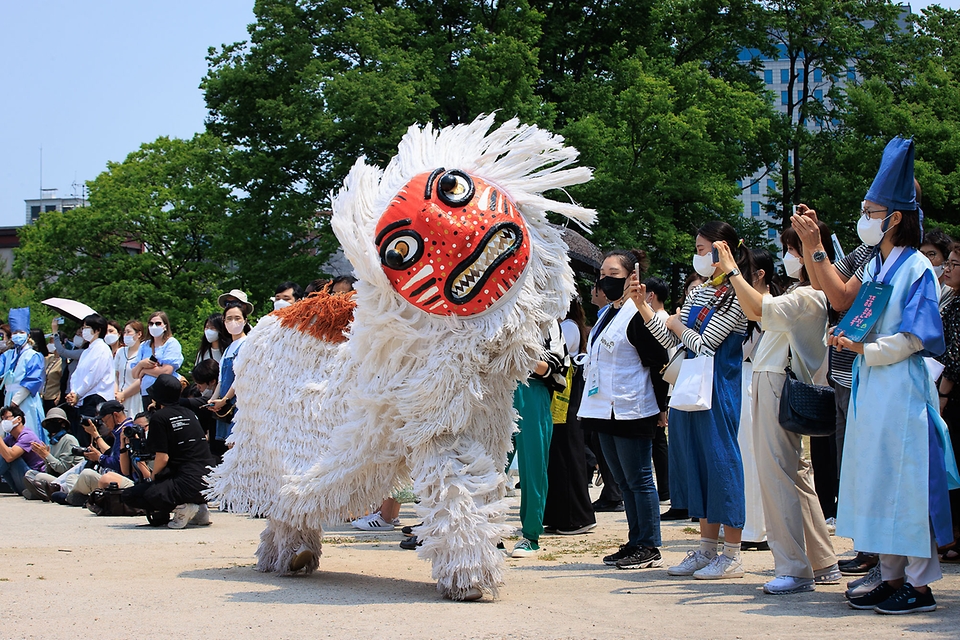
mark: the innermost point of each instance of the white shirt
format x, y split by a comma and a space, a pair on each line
94, 374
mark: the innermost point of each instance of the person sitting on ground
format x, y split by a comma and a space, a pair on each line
58, 458
181, 463
16, 453
106, 455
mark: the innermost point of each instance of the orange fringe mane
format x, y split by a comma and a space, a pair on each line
323, 315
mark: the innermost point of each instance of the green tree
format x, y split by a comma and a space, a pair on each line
820, 40
918, 97
149, 239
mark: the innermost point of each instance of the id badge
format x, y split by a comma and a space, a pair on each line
593, 381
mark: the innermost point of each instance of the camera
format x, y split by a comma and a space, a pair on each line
77, 451
95, 421
136, 441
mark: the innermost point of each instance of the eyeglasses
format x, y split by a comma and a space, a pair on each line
867, 212
156, 324
950, 265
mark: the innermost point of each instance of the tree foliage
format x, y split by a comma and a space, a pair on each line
150, 239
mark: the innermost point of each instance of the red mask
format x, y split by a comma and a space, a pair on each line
451, 243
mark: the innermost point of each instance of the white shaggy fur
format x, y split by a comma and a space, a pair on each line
409, 394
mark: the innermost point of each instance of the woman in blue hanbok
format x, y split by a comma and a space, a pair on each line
704, 443
897, 454
23, 374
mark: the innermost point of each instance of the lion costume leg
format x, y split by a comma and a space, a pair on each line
461, 495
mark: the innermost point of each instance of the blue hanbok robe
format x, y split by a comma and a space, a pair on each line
897, 452
25, 370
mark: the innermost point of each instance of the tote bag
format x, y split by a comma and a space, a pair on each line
693, 390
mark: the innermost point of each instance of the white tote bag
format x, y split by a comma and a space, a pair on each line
694, 388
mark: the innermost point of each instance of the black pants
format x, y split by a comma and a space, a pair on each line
85, 410
166, 493
823, 457
661, 464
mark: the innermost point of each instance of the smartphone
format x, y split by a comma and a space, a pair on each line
60, 320
636, 271
153, 359
716, 256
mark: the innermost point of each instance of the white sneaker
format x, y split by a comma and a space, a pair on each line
782, 585
720, 568
828, 575
373, 522
525, 549
694, 561
202, 518
182, 514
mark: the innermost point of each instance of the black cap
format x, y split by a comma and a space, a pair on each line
109, 407
165, 390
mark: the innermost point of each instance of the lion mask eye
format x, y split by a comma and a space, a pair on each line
455, 188
402, 249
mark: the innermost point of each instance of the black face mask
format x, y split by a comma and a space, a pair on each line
612, 287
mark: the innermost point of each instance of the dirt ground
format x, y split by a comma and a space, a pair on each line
65, 573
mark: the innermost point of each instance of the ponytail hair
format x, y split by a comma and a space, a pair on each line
717, 230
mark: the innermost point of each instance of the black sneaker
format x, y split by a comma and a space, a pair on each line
410, 543
408, 530
859, 565
907, 600
871, 599
607, 505
642, 558
625, 552
674, 514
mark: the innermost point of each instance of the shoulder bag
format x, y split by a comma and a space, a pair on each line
806, 409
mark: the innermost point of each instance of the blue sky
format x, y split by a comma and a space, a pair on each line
91, 81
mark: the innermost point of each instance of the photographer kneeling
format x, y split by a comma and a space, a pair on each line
106, 457
182, 459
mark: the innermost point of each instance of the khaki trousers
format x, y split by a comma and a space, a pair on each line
796, 529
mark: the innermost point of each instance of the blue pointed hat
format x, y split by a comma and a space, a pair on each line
20, 320
893, 187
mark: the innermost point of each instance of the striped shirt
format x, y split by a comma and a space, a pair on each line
841, 363
720, 325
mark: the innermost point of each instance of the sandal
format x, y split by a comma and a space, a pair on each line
950, 556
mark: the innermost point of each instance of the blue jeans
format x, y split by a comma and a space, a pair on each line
13, 472
631, 464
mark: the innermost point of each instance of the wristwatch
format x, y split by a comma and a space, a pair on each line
819, 256
733, 272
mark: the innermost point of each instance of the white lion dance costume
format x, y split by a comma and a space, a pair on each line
459, 272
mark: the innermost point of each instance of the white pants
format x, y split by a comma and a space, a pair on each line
919, 572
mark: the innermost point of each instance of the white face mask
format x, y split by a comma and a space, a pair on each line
51, 348
6, 425
871, 230
938, 270
207, 393
792, 265
87, 334
211, 335
78, 341
704, 265
129, 341
280, 304
111, 338
156, 331
234, 327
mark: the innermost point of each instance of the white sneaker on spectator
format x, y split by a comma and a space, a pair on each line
782, 585
694, 561
182, 514
864, 584
373, 522
721, 567
202, 518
